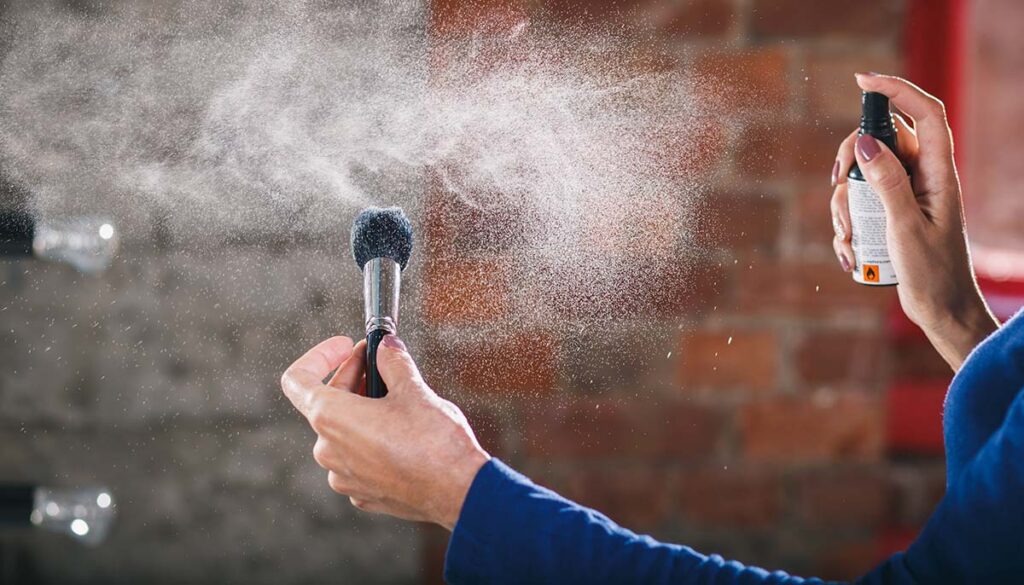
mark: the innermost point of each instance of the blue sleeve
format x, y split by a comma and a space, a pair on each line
977, 533
981, 395
513, 531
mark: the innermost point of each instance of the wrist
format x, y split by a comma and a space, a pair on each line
456, 490
956, 331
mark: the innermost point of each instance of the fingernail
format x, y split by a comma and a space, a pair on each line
393, 342
844, 262
835, 173
868, 147
868, 73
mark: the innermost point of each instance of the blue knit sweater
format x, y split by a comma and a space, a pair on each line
513, 531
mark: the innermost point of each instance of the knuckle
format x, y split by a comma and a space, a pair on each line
318, 416
320, 451
889, 179
334, 480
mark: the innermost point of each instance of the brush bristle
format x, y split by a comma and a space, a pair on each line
381, 233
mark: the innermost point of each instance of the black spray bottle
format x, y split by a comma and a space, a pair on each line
867, 215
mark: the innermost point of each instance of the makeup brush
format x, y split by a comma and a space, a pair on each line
381, 245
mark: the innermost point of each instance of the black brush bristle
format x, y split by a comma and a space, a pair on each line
381, 233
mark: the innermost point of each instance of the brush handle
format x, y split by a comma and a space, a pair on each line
375, 387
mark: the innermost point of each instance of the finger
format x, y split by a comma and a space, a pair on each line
349, 375
366, 505
396, 367
887, 177
927, 111
840, 210
343, 484
322, 454
302, 382
844, 159
321, 360
844, 254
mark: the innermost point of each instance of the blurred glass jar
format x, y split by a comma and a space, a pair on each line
87, 243
84, 513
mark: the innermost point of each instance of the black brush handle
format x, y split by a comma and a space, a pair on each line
375, 387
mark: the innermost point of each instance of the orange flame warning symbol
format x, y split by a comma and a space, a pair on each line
870, 272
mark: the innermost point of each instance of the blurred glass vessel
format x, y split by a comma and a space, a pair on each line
87, 243
85, 513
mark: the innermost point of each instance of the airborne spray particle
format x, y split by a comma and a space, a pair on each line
562, 153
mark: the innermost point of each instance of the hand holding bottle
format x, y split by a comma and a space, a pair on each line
924, 219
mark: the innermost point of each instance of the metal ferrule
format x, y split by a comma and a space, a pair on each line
382, 282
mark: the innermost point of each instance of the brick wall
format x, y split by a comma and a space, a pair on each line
747, 418
759, 432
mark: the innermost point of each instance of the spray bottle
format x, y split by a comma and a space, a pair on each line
867, 215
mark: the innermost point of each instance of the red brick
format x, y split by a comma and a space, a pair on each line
693, 18
433, 548
914, 421
763, 150
832, 91
522, 363
636, 496
774, 149
457, 291
752, 80
870, 19
814, 215
843, 358
825, 426
679, 287
454, 226
574, 11
487, 425
813, 288
687, 289
702, 150
464, 17
918, 360
739, 221
731, 359
731, 498
598, 428
853, 497
846, 560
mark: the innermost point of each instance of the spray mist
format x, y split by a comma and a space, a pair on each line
867, 215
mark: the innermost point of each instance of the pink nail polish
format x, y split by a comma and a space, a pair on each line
868, 147
835, 173
842, 262
393, 342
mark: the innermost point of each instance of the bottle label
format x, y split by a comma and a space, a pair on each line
867, 216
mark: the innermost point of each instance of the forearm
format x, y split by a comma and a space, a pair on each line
960, 328
512, 531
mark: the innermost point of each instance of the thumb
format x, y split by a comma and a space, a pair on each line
395, 365
886, 175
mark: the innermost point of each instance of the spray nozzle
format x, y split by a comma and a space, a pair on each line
876, 119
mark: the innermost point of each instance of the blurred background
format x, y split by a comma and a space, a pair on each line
767, 409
